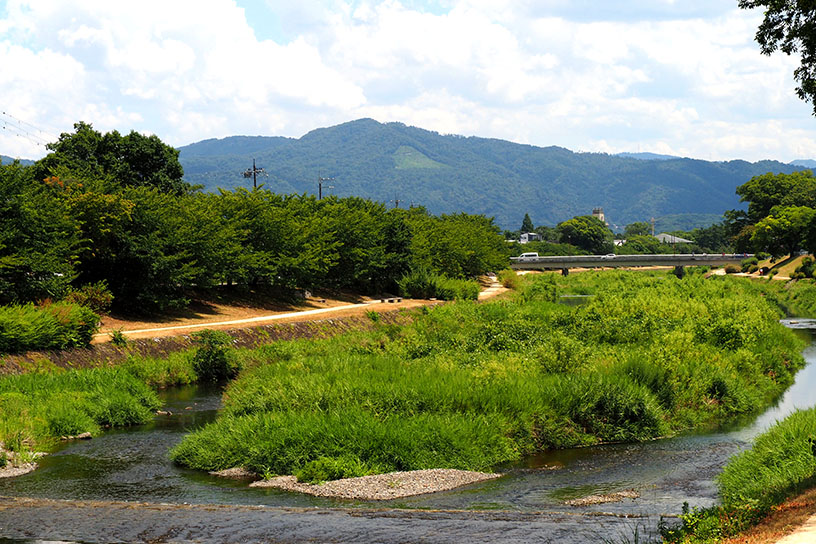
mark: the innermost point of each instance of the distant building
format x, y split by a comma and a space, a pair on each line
672, 239
598, 213
529, 237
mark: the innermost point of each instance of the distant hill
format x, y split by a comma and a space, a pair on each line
647, 156
807, 163
9, 160
449, 174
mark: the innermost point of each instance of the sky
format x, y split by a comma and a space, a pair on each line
680, 77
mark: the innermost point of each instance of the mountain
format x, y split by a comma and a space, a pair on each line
9, 160
647, 156
807, 163
449, 174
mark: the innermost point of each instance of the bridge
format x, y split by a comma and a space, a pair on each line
564, 263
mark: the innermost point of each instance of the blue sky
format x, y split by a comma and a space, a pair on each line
666, 76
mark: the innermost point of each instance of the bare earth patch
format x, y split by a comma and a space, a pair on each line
787, 523
381, 487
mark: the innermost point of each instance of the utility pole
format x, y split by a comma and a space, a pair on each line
653, 222
396, 201
253, 173
320, 181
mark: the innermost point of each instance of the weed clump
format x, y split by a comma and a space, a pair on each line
52, 326
214, 359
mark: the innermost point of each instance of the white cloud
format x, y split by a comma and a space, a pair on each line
682, 77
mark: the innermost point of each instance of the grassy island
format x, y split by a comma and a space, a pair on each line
471, 385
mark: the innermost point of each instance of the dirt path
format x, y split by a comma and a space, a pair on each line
225, 316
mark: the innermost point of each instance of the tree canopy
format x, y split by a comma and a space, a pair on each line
790, 27
587, 232
781, 216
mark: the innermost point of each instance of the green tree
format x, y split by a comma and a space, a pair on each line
639, 228
133, 160
791, 28
784, 231
588, 233
762, 193
527, 224
38, 239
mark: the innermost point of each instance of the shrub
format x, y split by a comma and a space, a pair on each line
214, 360
96, 296
54, 326
118, 339
805, 269
732, 269
421, 283
748, 263
509, 279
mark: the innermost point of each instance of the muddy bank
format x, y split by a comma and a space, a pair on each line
107, 354
92, 522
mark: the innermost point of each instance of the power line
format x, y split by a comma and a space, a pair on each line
23, 129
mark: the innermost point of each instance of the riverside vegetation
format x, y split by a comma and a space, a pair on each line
475, 385
465, 386
780, 463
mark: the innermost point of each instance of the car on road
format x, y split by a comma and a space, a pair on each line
608, 256
529, 256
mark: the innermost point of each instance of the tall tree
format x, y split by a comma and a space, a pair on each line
588, 233
133, 160
790, 27
527, 224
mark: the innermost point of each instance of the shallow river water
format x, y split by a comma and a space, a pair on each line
121, 487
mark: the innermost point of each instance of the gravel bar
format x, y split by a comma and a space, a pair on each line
382, 487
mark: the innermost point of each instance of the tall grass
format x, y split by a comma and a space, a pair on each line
646, 356
422, 283
35, 409
53, 326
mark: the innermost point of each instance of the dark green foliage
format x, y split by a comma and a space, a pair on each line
53, 326
214, 359
152, 247
38, 241
527, 224
788, 27
118, 339
805, 269
95, 296
587, 232
133, 160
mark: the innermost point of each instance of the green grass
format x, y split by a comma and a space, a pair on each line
53, 326
36, 409
475, 385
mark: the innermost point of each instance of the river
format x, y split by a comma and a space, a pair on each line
121, 487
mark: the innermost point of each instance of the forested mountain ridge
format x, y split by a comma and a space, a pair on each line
448, 174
